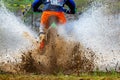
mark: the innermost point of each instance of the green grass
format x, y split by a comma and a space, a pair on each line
81, 4
84, 76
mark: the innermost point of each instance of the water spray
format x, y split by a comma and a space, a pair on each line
13, 35
99, 31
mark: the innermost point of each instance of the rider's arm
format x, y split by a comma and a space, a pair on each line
71, 4
36, 4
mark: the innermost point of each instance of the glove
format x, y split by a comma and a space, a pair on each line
67, 11
38, 10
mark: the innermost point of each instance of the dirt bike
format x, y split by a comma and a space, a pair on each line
51, 33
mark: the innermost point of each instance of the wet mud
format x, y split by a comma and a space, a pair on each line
58, 55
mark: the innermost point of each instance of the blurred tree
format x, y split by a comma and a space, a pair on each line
16, 5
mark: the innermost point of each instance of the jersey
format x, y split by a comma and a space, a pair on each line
54, 5
55, 2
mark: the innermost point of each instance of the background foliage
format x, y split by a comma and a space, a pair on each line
16, 5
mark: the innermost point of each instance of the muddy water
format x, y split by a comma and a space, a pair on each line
70, 50
19, 50
58, 55
12, 40
98, 28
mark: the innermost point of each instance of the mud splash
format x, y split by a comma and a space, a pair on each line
98, 29
64, 51
12, 36
24, 55
59, 56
